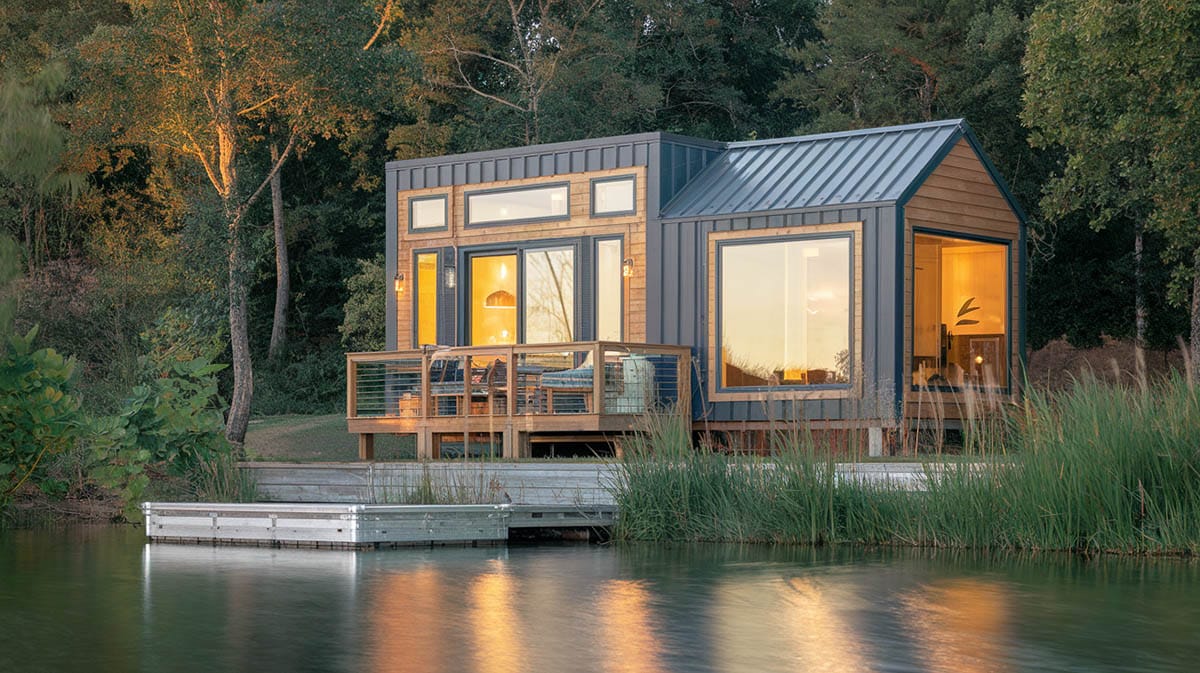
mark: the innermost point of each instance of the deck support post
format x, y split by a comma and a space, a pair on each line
425, 444
875, 441
366, 446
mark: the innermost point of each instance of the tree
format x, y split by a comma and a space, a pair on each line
202, 81
33, 147
1117, 85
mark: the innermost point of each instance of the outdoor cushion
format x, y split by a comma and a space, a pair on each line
580, 377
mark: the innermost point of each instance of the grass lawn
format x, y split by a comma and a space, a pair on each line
302, 438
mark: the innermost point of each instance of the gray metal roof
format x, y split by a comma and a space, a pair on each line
830, 169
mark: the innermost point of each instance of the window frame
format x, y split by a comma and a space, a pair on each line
416, 295
596, 241
852, 231
519, 249
467, 223
444, 198
629, 177
909, 355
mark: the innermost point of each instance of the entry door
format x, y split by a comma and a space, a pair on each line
523, 297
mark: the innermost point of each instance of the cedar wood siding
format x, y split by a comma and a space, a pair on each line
665, 163
960, 196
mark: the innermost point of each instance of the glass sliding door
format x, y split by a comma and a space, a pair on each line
549, 299
493, 297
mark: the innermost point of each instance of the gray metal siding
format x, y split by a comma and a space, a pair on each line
678, 250
819, 171
519, 163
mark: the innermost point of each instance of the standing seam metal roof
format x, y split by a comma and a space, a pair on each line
830, 169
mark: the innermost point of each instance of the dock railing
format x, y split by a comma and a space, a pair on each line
585, 386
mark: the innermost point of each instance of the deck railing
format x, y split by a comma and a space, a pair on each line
598, 378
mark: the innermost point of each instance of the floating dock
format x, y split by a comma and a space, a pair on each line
358, 526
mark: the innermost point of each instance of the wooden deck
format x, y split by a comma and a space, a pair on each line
591, 388
333, 526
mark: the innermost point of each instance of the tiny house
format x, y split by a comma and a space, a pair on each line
865, 279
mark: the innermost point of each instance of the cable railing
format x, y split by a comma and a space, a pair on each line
541, 380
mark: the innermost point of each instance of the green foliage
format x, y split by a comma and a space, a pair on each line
363, 328
1116, 86
173, 417
38, 414
312, 381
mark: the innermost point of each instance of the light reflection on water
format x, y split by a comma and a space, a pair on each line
101, 600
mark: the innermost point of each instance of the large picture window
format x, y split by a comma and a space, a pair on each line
960, 312
785, 312
523, 204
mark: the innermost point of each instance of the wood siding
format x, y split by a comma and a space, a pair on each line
960, 197
580, 225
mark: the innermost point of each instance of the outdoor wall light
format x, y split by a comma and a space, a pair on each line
450, 277
398, 282
627, 267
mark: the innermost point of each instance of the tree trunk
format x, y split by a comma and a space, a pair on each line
239, 341
1194, 368
283, 286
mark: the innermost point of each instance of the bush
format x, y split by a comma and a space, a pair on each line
313, 382
38, 414
363, 327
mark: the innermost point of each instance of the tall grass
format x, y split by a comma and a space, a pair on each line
1100, 468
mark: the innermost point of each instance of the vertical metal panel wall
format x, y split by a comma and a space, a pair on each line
677, 305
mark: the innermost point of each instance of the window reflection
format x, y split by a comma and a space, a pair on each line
549, 295
960, 626
960, 311
496, 624
533, 203
613, 196
608, 290
785, 312
427, 298
630, 629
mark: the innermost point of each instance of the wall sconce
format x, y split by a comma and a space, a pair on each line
627, 267
398, 283
450, 277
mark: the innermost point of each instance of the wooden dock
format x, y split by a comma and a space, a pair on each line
344, 526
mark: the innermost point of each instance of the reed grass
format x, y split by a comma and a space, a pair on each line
1101, 467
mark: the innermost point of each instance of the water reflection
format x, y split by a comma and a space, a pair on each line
107, 602
628, 626
961, 626
495, 622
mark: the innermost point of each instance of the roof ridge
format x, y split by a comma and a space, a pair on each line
880, 130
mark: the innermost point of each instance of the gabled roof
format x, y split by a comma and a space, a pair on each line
829, 169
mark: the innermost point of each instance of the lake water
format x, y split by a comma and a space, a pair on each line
101, 599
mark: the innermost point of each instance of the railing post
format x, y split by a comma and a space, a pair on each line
351, 388
510, 384
426, 363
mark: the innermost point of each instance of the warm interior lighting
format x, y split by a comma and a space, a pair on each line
500, 299
398, 283
627, 267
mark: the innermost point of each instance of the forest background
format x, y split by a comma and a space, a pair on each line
186, 183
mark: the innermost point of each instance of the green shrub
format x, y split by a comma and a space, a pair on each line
363, 326
38, 414
173, 417
313, 382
